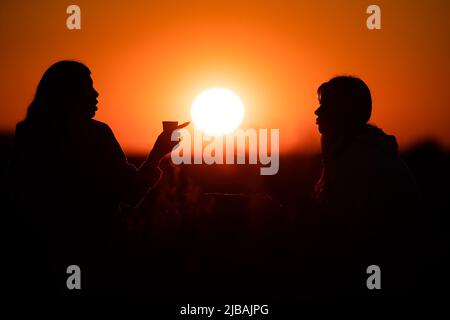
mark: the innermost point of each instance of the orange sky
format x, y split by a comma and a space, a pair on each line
149, 59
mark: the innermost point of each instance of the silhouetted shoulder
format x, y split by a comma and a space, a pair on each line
103, 142
100, 130
99, 126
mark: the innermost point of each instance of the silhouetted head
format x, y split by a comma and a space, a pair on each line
345, 105
65, 91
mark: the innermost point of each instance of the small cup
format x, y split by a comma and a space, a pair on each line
169, 125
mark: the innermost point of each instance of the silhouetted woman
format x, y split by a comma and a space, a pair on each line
367, 198
70, 175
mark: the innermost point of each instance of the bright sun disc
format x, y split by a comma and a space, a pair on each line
217, 112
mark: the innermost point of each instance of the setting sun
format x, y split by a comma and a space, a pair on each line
217, 111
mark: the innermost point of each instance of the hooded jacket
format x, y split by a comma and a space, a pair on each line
368, 205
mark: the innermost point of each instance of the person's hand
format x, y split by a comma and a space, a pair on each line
164, 143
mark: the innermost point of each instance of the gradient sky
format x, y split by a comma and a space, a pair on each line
149, 59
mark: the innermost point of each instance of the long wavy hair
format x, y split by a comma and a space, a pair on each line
55, 89
352, 97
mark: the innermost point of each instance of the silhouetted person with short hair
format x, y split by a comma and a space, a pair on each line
366, 197
70, 176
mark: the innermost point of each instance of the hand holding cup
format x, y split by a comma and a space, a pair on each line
164, 143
